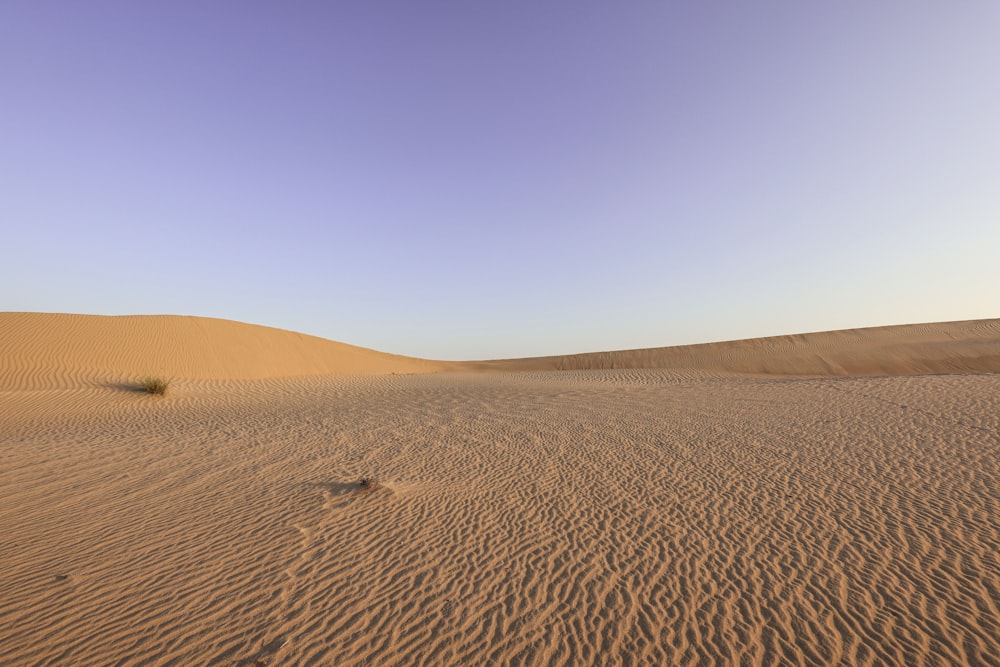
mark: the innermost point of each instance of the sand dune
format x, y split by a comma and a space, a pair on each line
696, 511
915, 349
47, 350
44, 350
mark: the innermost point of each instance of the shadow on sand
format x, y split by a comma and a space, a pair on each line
129, 387
336, 489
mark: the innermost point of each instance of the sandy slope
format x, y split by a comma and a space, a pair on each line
50, 350
912, 349
595, 517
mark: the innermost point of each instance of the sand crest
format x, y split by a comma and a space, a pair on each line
687, 511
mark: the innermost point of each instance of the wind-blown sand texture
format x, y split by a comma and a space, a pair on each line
718, 512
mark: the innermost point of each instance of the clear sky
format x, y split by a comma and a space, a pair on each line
496, 179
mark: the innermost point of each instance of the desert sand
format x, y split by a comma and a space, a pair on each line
820, 499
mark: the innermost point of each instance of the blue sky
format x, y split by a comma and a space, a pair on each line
482, 180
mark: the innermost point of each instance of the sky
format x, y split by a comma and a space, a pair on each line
468, 180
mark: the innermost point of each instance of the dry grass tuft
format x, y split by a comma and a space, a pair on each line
155, 385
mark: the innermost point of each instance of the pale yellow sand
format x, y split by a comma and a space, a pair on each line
683, 515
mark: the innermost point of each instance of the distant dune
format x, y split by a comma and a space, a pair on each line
43, 350
971, 346
721, 504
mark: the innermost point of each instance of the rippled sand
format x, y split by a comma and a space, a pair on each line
595, 517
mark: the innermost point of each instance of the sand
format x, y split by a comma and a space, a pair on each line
810, 500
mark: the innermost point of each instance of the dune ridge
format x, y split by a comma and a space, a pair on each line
969, 346
52, 350
49, 350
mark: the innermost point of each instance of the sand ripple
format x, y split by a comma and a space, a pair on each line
586, 518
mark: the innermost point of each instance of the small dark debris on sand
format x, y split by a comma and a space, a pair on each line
368, 484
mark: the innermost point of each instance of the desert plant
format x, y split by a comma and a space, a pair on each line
368, 484
155, 385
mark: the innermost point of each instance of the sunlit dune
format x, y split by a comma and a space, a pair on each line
915, 349
42, 350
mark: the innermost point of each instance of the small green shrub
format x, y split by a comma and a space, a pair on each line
154, 385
